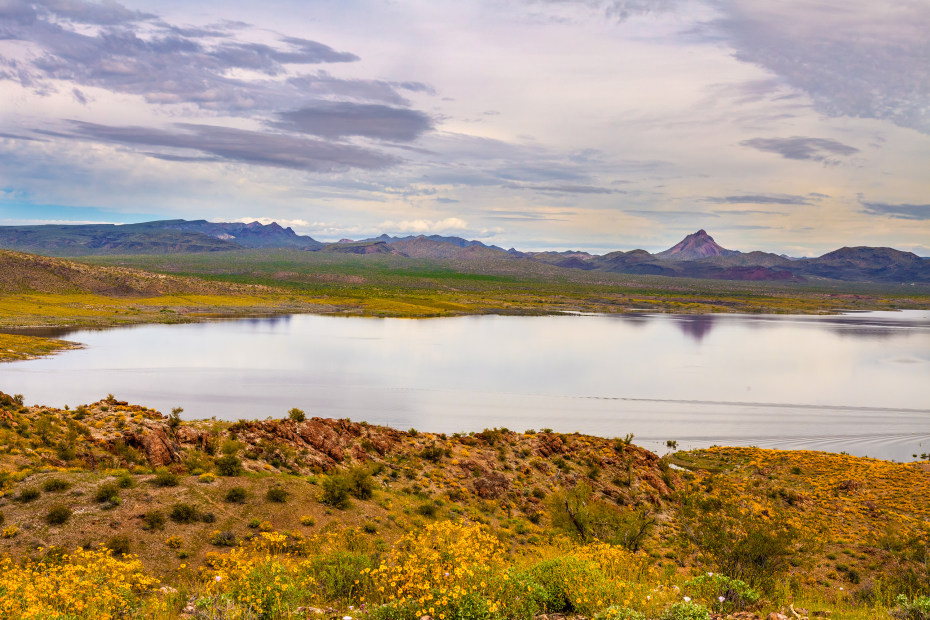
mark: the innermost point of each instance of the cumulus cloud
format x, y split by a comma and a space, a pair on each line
899, 211
425, 226
816, 149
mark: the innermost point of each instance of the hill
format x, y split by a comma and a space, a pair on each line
159, 237
314, 517
695, 247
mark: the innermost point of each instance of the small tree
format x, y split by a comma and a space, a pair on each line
297, 415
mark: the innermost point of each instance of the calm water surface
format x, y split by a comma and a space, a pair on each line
859, 382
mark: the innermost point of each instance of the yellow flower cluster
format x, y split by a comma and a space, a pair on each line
436, 569
85, 584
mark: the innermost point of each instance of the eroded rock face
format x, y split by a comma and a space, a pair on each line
491, 486
155, 444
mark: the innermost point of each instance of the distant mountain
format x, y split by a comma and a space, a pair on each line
159, 237
695, 247
868, 263
457, 241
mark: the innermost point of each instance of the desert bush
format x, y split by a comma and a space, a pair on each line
223, 539
58, 514
208, 517
277, 494
725, 595
229, 465
686, 610
361, 484
107, 492
207, 478
296, 415
917, 608
236, 495
586, 517
55, 484
427, 509
619, 613
183, 513
336, 491
432, 453
307, 520
28, 495
174, 542
153, 520
165, 478
119, 544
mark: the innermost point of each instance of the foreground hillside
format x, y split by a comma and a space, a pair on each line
113, 508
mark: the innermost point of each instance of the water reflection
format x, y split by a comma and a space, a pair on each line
696, 326
797, 380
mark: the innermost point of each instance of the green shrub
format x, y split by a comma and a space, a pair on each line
296, 415
207, 478
58, 515
236, 495
254, 523
336, 491
305, 520
427, 509
164, 478
119, 544
55, 484
223, 539
361, 484
277, 494
229, 465
28, 495
153, 520
107, 492
725, 595
184, 513
686, 610
619, 613
558, 581
918, 608
208, 517
340, 575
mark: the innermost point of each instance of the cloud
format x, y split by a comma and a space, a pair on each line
565, 189
761, 199
898, 211
238, 145
267, 220
337, 119
425, 226
854, 58
815, 149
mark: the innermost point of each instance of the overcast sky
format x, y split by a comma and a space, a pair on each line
795, 126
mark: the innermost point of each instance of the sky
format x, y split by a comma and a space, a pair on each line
797, 126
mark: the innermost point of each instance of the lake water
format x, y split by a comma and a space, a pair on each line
858, 383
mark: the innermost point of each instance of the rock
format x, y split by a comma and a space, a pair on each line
776, 616
491, 486
155, 445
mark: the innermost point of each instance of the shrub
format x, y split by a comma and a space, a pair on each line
208, 517
223, 539
174, 542
339, 575
229, 465
125, 481
207, 478
361, 484
107, 492
277, 494
686, 610
297, 415
56, 484
917, 608
236, 495
432, 453
619, 613
427, 509
336, 491
254, 523
724, 594
153, 520
119, 544
308, 521
58, 515
183, 513
28, 495
165, 478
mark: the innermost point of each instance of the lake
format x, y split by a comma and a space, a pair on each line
858, 383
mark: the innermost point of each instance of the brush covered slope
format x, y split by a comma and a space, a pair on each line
310, 517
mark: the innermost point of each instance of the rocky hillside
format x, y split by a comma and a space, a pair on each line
30, 273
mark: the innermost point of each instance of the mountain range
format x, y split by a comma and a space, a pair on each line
695, 256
